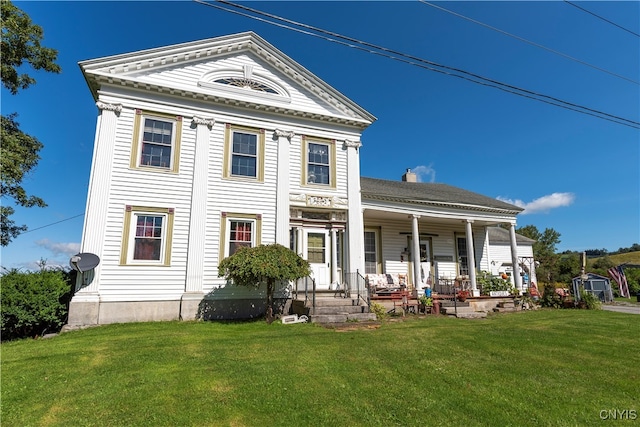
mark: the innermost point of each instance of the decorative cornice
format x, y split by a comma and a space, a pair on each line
352, 144
283, 133
202, 121
117, 108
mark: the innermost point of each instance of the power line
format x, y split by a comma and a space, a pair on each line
600, 17
530, 42
53, 223
419, 62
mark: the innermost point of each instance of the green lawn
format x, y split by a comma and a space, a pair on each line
542, 368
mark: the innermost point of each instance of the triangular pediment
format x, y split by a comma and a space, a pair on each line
241, 69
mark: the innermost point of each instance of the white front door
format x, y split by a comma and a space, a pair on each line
318, 254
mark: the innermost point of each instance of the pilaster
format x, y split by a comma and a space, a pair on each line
198, 209
355, 226
282, 189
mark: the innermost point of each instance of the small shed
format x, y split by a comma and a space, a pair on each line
599, 286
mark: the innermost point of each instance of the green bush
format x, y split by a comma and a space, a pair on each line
589, 301
33, 303
489, 283
550, 298
379, 310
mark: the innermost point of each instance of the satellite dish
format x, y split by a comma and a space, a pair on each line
84, 261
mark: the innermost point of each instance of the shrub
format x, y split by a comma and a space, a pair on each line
33, 302
379, 310
589, 301
550, 298
489, 283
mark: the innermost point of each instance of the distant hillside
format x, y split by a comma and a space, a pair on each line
629, 257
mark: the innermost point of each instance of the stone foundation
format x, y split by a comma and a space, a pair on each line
85, 312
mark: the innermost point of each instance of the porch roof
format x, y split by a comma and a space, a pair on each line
499, 235
435, 194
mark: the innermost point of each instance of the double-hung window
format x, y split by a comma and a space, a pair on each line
244, 153
240, 234
147, 236
156, 141
239, 230
319, 160
244, 157
370, 252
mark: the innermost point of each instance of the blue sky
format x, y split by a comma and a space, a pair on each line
572, 172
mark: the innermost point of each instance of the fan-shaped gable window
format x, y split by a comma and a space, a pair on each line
245, 81
246, 84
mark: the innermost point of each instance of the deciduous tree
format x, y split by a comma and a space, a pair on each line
19, 152
264, 264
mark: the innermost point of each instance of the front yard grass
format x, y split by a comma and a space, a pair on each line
546, 367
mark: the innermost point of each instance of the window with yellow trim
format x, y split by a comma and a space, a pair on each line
147, 236
244, 152
156, 141
319, 162
239, 230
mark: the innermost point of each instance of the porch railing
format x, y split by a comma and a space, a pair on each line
306, 286
356, 284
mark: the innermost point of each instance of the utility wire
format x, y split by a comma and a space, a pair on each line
423, 63
600, 17
530, 42
53, 223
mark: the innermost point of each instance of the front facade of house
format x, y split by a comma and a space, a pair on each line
208, 146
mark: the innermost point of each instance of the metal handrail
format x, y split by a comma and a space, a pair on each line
356, 283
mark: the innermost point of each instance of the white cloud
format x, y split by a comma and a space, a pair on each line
542, 204
425, 173
67, 249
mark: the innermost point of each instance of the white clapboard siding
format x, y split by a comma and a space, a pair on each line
442, 240
189, 75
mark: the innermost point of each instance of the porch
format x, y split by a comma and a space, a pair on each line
352, 302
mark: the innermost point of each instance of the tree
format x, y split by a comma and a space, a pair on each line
20, 43
19, 151
264, 263
18, 156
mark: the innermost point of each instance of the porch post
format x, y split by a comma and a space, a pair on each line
415, 237
514, 258
300, 247
471, 259
334, 256
282, 189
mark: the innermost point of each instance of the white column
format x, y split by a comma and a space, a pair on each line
84, 308
415, 250
334, 256
355, 225
282, 188
300, 246
198, 215
514, 258
93, 234
471, 259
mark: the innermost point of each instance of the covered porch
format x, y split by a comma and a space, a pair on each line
432, 235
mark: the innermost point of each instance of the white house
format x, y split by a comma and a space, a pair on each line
206, 146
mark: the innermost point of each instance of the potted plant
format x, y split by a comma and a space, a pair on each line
463, 295
425, 303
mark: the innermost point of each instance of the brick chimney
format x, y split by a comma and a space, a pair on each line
409, 176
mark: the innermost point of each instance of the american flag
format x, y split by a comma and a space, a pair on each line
617, 273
